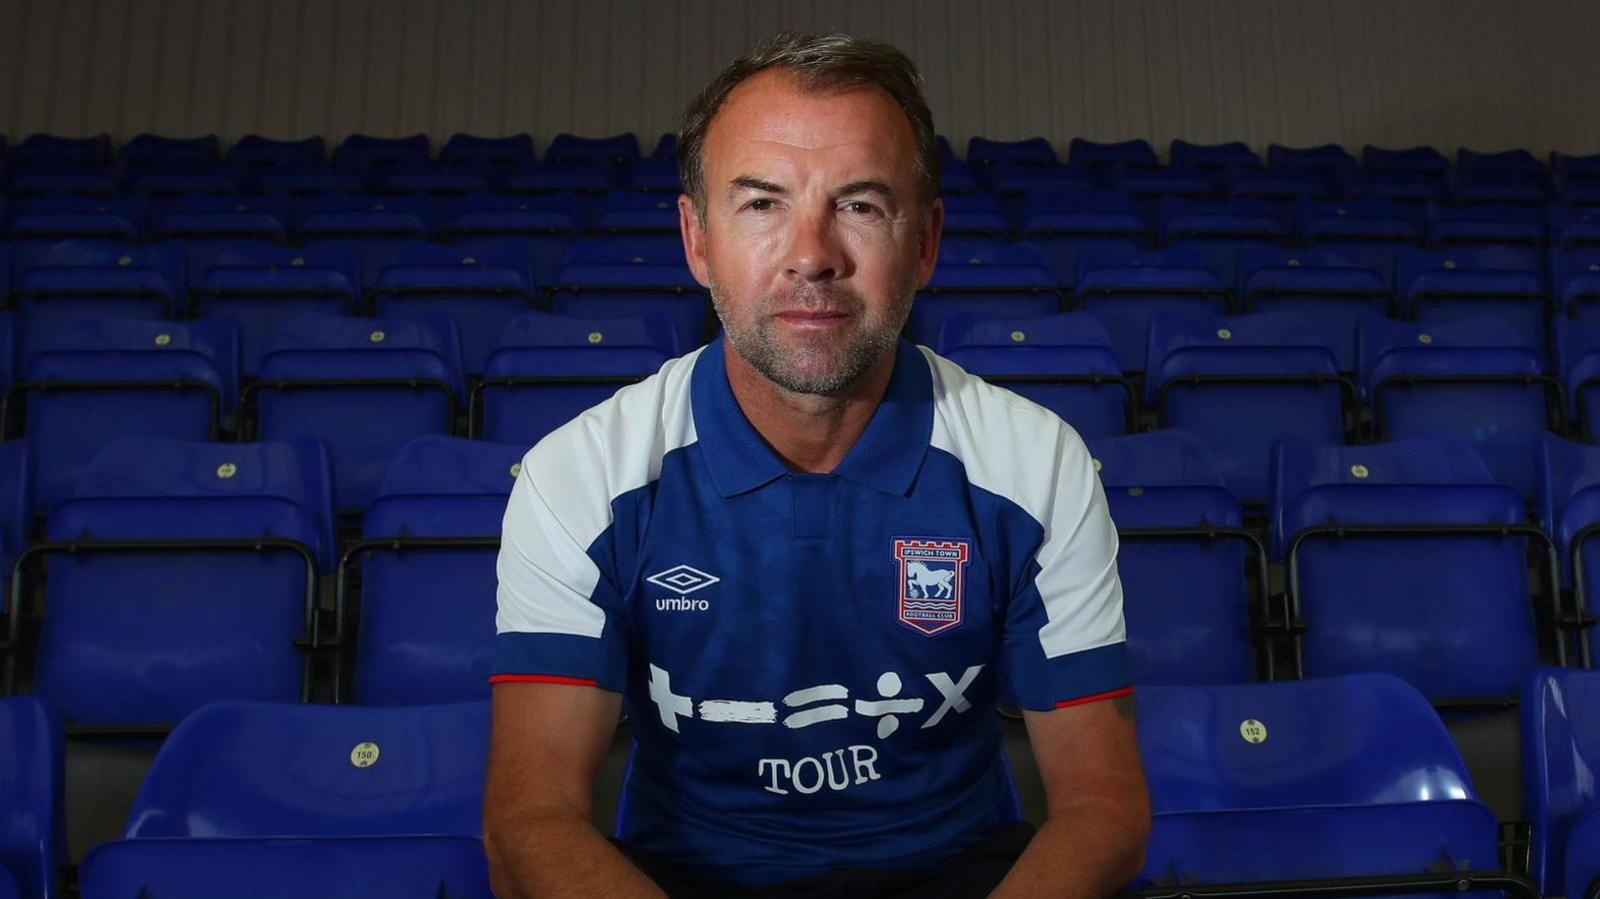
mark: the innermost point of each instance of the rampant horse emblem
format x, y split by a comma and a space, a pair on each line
931, 581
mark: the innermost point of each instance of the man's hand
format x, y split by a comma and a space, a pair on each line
1098, 807
548, 742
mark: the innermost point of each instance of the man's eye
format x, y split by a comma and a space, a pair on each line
861, 208
760, 205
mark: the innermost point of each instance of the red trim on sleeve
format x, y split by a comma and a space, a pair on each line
1114, 694
542, 679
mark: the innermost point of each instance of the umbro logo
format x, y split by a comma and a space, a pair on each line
682, 579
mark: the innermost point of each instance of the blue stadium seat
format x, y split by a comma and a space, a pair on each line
364, 153
260, 286
1185, 560
1281, 185
287, 868
1326, 161
170, 180
1425, 161
180, 573
578, 192
1475, 379
1337, 778
65, 217
240, 770
1240, 383
956, 178
1356, 222
155, 150
479, 284
266, 769
629, 291
649, 219
1408, 558
1560, 752
263, 154
1575, 284
16, 502
545, 229
1487, 225
1128, 154
365, 386
1031, 152
488, 153
99, 379
1332, 289
1126, 288
667, 148
1182, 154
33, 840
1496, 189
41, 181
1064, 226
1515, 163
1400, 188
1448, 285
655, 176
304, 180
56, 283
986, 251
364, 221
549, 368
204, 217
431, 180
1568, 504
1063, 362
1194, 184
54, 149
617, 150
1575, 347
425, 614
1573, 228
966, 220
1235, 223
646, 249
1057, 179
997, 291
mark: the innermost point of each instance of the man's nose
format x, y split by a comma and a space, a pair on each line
815, 253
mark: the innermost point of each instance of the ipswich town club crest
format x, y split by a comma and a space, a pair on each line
931, 579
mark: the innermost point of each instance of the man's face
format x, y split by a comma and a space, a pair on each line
814, 242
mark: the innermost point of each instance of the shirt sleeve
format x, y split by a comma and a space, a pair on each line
1065, 641
556, 620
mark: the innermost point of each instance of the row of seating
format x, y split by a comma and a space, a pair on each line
1249, 785
1406, 557
1495, 176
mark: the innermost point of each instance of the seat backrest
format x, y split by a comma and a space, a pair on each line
1487, 270
484, 264
32, 834
1252, 220
1569, 494
1481, 345
1128, 153
267, 153
1575, 280
1178, 269
445, 486
993, 344
514, 150
1560, 752
1266, 343
1423, 160
52, 148
1163, 479
111, 267
118, 349
335, 347
1183, 154
1516, 161
153, 149
542, 344
239, 266
566, 148
363, 151
245, 769
1421, 480
1357, 739
16, 500
1032, 151
1327, 158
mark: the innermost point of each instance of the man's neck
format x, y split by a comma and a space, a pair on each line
809, 433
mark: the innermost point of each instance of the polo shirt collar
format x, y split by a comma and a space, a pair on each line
887, 456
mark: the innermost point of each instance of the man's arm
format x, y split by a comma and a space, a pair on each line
1097, 805
547, 744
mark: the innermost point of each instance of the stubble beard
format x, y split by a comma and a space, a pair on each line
823, 365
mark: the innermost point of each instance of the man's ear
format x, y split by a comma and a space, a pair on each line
694, 239
932, 232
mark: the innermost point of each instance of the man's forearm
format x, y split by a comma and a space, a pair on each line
1087, 853
561, 856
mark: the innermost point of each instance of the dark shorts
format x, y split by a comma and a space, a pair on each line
974, 873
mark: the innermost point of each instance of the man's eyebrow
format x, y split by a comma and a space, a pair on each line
866, 187
746, 182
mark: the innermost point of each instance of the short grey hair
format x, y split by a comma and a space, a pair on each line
822, 63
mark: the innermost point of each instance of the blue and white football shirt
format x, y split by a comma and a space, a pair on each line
810, 662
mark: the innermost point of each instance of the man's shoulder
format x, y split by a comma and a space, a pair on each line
618, 444
1008, 444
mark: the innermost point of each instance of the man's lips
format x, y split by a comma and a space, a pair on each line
813, 315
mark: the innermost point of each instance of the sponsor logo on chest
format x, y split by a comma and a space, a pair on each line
682, 580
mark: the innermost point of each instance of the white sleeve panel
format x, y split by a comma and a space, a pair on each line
1024, 453
561, 502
